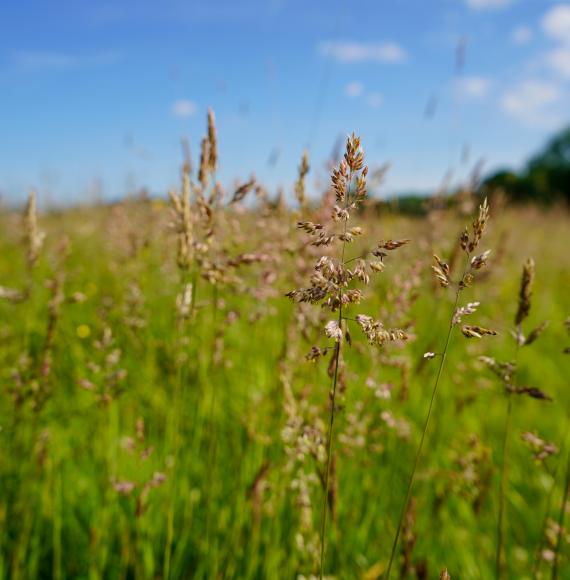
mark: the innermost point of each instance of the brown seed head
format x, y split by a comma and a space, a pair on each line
525, 291
243, 190
464, 239
300, 183
34, 237
441, 271
392, 244
354, 155
213, 142
184, 226
477, 331
204, 169
479, 226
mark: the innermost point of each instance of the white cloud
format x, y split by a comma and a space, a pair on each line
556, 23
474, 87
533, 103
556, 26
354, 89
488, 4
350, 51
183, 108
559, 61
375, 100
522, 35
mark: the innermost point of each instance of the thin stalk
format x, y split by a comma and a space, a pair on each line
357, 257
425, 428
333, 405
502, 488
559, 464
561, 516
174, 438
505, 472
328, 468
212, 432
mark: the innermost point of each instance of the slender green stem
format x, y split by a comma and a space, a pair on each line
174, 438
505, 472
212, 432
559, 464
328, 468
502, 488
424, 431
345, 262
561, 516
333, 406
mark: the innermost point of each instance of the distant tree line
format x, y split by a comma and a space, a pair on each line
544, 179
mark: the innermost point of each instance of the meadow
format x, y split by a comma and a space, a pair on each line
165, 408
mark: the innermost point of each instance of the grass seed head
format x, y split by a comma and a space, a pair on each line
477, 331
304, 168
204, 169
34, 237
212, 142
479, 227
525, 291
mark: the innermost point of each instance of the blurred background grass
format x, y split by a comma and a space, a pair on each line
73, 502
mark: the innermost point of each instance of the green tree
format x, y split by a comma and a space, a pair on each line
546, 177
549, 171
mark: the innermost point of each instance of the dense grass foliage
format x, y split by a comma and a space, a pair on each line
163, 422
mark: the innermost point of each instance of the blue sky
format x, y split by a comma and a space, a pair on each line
96, 96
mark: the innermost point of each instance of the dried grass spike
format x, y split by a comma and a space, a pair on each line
479, 225
204, 168
300, 183
212, 142
525, 291
34, 237
477, 331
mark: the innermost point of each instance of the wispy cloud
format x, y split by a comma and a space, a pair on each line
354, 89
556, 23
375, 100
533, 103
543, 102
558, 60
352, 51
49, 60
556, 26
521, 35
474, 87
184, 108
488, 4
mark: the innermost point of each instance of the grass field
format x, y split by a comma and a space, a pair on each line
159, 419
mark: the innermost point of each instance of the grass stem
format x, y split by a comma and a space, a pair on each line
424, 431
333, 405
561, 517
502, 489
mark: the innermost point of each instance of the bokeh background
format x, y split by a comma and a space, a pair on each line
96, 96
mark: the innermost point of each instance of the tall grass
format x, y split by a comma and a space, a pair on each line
443, 274
165, 412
